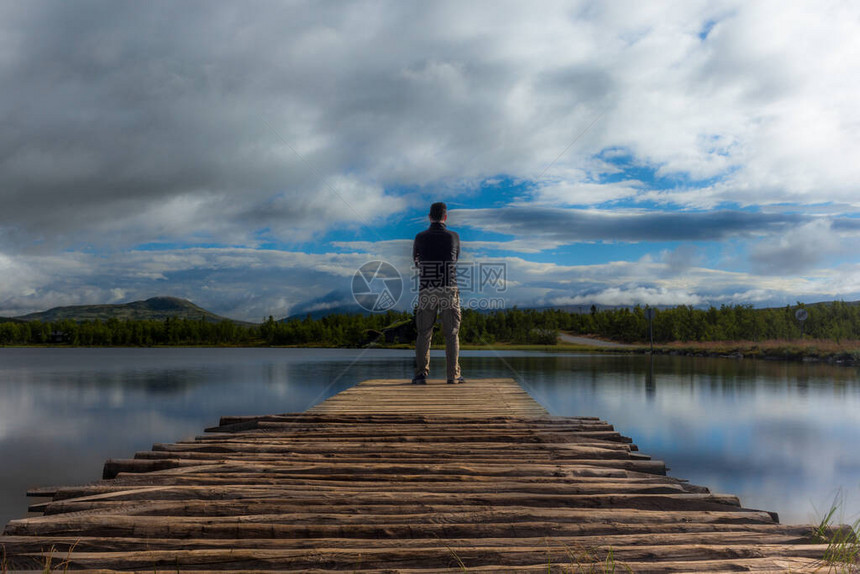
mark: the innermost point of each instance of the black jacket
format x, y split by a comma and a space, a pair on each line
435, 253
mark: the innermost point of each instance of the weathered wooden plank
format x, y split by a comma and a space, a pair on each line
406, 503
331, 419
248, 480
114, 466
114, 490
241, 469
288, 530
606, 439
287, 460
423, 557
433, 515
395, 472
596, 450
270, 503
278, 449
341, 421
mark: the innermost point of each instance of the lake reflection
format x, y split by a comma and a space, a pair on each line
782, 436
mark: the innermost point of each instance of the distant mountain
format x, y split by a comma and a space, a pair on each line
586, 308
337, 302
347, 309
156, 308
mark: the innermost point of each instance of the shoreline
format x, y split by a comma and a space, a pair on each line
828, 352
812, 351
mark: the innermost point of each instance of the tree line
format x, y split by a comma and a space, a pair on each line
836, 321
833, 321
114, 332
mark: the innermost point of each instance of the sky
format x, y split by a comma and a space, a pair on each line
253, 156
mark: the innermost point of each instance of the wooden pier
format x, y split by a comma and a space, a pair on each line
393, 477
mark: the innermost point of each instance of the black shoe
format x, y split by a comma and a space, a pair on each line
419, 380
457, 381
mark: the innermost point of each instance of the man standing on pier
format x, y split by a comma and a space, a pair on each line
435, 253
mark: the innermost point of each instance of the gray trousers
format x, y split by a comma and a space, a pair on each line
445, 301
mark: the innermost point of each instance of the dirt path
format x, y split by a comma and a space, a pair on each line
590, 342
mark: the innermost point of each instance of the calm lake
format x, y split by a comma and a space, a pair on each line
784, 437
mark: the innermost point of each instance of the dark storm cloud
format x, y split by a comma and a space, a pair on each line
127, 122
572, 225
112, 110
805, 247
847, 224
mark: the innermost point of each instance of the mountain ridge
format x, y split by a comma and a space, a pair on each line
164, 307
154, 308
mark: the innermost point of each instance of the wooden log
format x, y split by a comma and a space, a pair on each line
120, 526
372, 442
309, 420
668, 534
300, 501
114, 466
389, 435
266, 504
294, 500
761, 566
369, 447
403, 428
274, 454
249, 469
116, 490
610, 449
361, 416
249, 480
427, 557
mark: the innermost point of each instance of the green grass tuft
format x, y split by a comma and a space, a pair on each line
842, 555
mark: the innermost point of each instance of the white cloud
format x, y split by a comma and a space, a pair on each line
535, 245
654, 282
616, 296
585, 193
842, 282
218, 279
